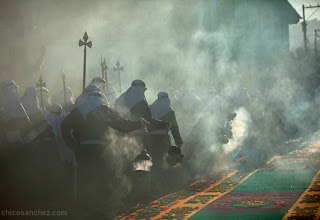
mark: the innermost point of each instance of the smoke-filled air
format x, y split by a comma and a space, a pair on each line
174, 91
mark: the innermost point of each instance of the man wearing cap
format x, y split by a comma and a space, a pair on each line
13, 158
50, 160
90, 122
16, 119
53, 131
161, 109
100, 82
132, 104
159, 140
109, 93
95, 85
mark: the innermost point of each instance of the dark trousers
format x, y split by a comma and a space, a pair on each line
95, 174
158, 148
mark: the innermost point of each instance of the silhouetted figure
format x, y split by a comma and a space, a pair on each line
89, 125
132, 104
16, 118
159, 140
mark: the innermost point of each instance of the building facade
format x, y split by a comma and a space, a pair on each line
257, 30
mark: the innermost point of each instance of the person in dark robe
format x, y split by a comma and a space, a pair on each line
132, 104
100, 82
17, 120
30, 103
159, 140
90, 88
15, 123
54, 120
51, 153
86, 129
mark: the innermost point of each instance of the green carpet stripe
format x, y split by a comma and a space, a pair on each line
203, 215
277, 182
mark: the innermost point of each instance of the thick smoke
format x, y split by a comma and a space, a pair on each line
239, 129
248, 107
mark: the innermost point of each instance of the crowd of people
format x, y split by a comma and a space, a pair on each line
62, 151
80, 135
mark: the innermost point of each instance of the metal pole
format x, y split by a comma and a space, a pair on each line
85, 44
105, 73
84, 71
315, 41
106, 78
304, 29
65, 93
119, 80
102, 68
41, 97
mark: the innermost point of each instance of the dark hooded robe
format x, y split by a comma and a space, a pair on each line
160, 142
159, 139
87, 129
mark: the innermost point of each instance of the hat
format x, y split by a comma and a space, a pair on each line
138, 82
92, 87
95, 93
98, 80
163, 95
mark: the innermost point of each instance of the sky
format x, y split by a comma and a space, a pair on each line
311, 15
297, 4
145, 36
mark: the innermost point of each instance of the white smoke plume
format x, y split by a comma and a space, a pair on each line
240, 129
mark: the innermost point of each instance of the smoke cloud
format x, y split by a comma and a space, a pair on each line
168, 45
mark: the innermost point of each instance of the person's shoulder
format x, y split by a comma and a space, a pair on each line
143, 102
141, 105
105, 108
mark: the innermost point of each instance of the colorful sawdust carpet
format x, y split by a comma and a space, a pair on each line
287, 187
